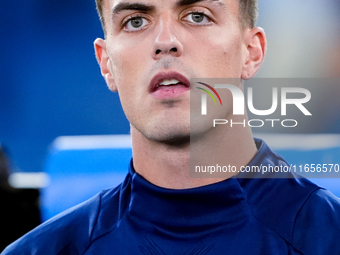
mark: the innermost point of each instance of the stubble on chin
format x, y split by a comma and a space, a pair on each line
170, 134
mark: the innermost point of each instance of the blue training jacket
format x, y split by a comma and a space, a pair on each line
239, 216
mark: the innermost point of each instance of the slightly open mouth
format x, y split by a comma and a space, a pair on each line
168, 80
169, 84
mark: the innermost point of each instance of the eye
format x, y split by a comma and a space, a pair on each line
198, 18
135, 24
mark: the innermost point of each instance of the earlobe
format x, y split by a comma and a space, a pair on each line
256, 49
104, 63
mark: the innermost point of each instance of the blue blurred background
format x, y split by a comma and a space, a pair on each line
50, 83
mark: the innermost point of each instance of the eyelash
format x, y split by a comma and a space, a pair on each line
130, 19
190, 13
210, 20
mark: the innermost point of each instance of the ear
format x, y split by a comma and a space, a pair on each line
104, 63
256, 44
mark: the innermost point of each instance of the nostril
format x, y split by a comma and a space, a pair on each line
158, 51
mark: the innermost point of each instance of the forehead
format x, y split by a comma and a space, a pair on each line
110, 6
174, 2
230, 8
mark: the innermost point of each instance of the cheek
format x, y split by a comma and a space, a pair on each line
220, 56
128, 65
125, 64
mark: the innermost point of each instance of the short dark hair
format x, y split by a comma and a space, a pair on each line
99, 5
248, 12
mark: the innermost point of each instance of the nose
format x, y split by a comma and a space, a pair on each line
166, 42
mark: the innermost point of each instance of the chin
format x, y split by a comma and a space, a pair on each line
174, 135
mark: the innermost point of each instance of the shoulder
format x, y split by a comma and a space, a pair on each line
70, 232
317, 225
302, 213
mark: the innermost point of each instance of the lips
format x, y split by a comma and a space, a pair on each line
164, 81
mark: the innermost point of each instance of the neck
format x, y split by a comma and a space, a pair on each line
169, 166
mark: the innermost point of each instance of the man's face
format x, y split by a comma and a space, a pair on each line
154, 47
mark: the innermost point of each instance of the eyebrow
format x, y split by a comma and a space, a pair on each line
181, 3
123, 6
